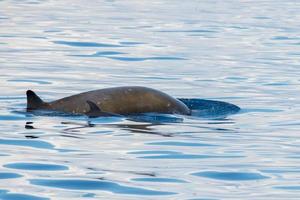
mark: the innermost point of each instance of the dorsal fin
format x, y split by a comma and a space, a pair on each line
93, 106
95, 111
33, 100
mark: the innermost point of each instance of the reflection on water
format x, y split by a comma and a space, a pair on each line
242, 52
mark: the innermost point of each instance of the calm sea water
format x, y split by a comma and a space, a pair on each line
242, 52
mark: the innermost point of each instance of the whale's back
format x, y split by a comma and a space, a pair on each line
122, 100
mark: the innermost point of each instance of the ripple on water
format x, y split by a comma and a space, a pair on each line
90, 195
231, 176
86, 44
159, 180
101, 54
156, 118
177, 155
136, 59
4, 195
36, 166
13, 117
188, 31
280, 171
40, 82
28, 143
8, 175
203, 199
283, 38
178, 143
131, 43
287, 187
77, 184
153, 152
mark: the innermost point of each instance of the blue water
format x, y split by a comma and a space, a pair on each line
242, 52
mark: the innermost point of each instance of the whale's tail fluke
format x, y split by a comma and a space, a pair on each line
33, 101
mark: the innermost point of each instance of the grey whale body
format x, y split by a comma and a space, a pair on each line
116, 101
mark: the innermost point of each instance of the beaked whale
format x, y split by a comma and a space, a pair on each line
116, 101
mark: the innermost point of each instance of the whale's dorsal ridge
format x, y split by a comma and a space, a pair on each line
33, 100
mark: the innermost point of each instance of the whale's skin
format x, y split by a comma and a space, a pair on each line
118, 100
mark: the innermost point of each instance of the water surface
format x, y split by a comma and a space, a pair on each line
242, 52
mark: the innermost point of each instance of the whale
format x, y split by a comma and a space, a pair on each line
115, 101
